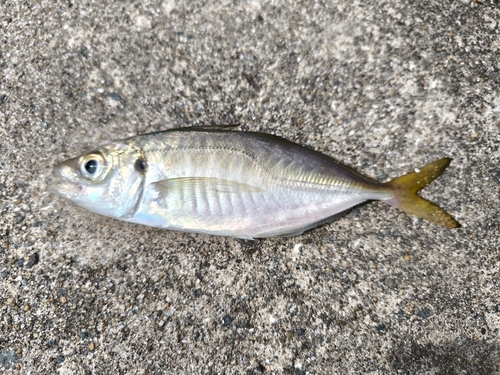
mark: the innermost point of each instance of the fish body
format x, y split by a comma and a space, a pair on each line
230, 183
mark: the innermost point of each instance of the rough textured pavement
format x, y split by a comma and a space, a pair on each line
383, 86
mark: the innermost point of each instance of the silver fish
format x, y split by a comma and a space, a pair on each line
230, 183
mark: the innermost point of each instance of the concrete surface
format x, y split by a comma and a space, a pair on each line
384, 86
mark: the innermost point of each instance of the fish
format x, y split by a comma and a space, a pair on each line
219, 181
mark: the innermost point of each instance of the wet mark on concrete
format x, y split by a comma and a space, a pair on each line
461, 356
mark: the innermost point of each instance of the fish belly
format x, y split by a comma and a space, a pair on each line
249, 215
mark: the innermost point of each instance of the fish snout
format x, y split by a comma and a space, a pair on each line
64, 178
67, 170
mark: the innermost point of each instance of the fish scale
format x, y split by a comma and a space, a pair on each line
231, 183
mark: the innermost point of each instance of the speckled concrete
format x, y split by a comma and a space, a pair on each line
384, 86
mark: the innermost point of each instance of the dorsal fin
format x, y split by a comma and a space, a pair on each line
210, 127
275, 138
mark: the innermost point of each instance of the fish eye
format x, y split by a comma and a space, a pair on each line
92, 166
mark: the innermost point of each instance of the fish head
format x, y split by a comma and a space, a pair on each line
108, 181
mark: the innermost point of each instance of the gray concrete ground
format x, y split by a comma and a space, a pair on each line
384, 86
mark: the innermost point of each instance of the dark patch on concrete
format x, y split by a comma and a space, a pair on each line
8, 357
424, 313
33, 260
227, 320
459, 357
114, 96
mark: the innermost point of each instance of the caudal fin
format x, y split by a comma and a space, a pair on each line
407, 200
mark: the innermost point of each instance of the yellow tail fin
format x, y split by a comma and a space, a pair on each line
407, 200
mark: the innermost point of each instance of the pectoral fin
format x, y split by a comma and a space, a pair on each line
187, 185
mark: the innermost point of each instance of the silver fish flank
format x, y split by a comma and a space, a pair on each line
230, 183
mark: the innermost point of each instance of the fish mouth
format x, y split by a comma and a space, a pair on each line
60, 188
53, 187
